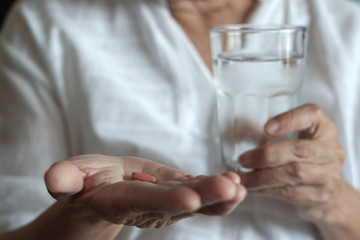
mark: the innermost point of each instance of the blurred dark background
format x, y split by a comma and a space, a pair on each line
4, 8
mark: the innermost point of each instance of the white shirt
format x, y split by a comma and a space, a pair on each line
122, 78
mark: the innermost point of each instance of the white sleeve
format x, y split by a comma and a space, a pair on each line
32, 127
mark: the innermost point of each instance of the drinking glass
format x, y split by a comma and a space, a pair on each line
258, 72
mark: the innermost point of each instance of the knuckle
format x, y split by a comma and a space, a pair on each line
333, 180
296, 172
341, 154
315, 109
266, 153
336, 152
303, 149
292, 119
331, 128
321, 196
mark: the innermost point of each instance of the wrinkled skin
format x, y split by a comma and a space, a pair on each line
306, 171
101, 186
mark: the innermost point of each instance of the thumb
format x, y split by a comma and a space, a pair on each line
64, 179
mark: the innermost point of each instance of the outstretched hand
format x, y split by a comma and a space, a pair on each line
103, 186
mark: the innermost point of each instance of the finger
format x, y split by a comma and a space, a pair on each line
227, 207
135, 197
280, 153
63, 179
302, 195
291, 174
309, 118
138, 197
213, 189
232, 176
218, 190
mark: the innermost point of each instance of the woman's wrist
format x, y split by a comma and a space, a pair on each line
64, 222
337, 218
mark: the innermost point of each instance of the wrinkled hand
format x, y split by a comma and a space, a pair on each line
103, 185
307, 171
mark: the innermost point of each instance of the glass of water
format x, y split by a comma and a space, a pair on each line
258, 72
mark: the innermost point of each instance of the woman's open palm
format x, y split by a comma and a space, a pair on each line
103, 185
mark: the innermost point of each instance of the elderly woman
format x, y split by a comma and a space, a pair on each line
133, 78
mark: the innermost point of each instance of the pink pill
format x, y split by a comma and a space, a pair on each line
143, 177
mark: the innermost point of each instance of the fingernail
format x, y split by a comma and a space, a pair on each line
272, 126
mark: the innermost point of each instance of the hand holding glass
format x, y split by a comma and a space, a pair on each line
258, 72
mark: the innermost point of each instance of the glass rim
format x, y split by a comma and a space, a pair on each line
256, 28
